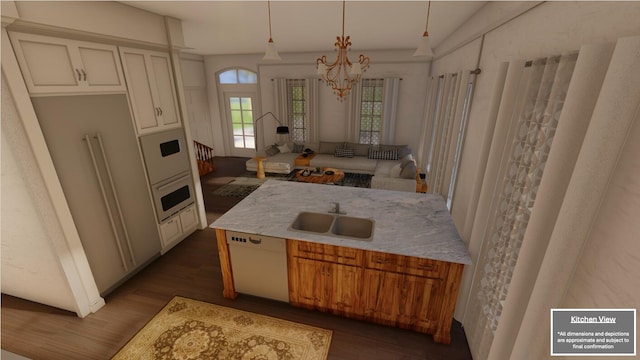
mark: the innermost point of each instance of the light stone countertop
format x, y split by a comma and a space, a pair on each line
411, 224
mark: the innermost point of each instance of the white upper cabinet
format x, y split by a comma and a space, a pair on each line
151, 89
53, 65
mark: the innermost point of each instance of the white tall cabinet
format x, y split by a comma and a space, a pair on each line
151, 89
53, 65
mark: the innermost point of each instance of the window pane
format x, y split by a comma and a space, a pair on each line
237, 129
234, 103
228, 77
236, 117
247, 77
246, 103
248, 129
250, 142
238, 141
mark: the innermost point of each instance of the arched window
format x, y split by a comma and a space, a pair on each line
238, 76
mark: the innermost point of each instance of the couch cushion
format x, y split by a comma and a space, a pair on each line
390, 154
359, 149
408, 170
329, 147
344, 152
279, 163
355, 164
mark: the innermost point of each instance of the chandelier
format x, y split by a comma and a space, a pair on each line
342, 73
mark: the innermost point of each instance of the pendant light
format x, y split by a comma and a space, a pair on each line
342, 73
424, 47
271, 53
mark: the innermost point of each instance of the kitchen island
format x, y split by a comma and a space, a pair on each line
406, 275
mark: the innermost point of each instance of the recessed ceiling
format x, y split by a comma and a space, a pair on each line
242, 27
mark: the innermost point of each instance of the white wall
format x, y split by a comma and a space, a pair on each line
29, 226
547, 29
194, 81
332, 113
106, 18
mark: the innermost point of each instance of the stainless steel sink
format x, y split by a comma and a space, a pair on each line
353, 227
312, 222
334, 225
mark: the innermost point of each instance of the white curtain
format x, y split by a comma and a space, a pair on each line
541, 90
447, 107
538, 201
283, 105
389, 111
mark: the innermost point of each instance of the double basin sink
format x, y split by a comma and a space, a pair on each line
334, 225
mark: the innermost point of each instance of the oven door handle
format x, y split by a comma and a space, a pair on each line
172, 182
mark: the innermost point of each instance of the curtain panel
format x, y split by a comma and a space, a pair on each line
547, 173
447, 107
389, 111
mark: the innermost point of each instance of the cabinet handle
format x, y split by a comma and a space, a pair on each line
84, 74
382, 261
79, 75
425, 267
115, 197
106, 201
160, 111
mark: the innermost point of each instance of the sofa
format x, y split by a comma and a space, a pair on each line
392, 166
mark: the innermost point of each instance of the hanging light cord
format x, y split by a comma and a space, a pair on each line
426, 28
343, 7
269, 10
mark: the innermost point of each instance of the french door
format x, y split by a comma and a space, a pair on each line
241, 109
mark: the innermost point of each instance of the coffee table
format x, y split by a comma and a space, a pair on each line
321, 179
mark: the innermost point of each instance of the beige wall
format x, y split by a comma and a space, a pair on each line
608, 272
29, 226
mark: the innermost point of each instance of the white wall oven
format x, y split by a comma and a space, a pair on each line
167, 163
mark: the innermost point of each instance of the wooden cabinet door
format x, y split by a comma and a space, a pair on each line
53, 65
423, 297
381, 295
346, 282
309, 286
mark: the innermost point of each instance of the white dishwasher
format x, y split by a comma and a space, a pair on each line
259, 265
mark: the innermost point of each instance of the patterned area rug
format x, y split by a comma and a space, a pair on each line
190, 329
244, 185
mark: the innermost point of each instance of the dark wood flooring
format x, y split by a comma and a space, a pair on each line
191, 269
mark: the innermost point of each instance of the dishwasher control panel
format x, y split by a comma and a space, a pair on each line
235, 238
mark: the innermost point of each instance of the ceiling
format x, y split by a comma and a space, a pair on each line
242, 27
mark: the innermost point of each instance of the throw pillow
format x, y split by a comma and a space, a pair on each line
403, 150
329, 147
383, 155
408, 171
344, 153
297, 148
359, 149
395, 171
284, 149
271, 150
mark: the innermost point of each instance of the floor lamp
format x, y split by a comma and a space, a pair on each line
281, 129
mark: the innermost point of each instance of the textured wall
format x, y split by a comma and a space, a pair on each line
30, 266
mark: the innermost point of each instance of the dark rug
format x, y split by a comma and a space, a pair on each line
244, 185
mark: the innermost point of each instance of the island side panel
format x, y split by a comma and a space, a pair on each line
229, 290
452, 285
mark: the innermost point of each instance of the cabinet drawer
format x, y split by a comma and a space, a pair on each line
385, 262
424, 267
330, 253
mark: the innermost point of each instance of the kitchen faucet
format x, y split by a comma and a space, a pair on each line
336, 208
